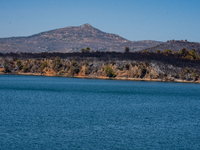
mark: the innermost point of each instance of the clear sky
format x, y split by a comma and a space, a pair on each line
134, 20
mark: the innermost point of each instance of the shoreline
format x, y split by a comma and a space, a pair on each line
107, 68
104, 78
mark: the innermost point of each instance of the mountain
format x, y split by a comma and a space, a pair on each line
175, 46
72, 39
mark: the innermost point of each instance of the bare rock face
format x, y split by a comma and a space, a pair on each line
72, 39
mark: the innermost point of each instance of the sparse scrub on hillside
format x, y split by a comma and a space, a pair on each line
174, 65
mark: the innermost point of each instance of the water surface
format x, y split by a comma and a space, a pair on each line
69, 113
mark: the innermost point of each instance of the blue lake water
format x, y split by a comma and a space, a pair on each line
69, 113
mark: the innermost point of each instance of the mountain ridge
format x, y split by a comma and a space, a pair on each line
72, 39
175, 45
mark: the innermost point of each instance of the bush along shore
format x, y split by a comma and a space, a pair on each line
183, 66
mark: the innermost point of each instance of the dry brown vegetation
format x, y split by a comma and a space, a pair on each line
167, 65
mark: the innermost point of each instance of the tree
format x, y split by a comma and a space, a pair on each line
167, 52
74, 69
127, 66
58, 62
85, 50
82, 50
74, 63
87, 70
184, 52
26, 68
187, 70
109, 71
6, 67
182, 75
19, 64
158, 51
44, 64
145, 52
127, 49
193, 55
88, 49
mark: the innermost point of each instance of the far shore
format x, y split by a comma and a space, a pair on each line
105, 78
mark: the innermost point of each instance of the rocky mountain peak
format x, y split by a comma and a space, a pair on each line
72, 39
86, 25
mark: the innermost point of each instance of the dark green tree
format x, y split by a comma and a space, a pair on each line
58, 62
167, 52
7, 70
85, 50
109, 71
127, 49
74, 69
127, 66
158, 51
19, 64
184, 52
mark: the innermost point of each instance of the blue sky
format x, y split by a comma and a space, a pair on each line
134, 20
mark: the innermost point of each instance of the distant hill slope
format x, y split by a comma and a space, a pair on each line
175, 46
72, 39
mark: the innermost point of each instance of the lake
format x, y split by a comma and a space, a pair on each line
39, 112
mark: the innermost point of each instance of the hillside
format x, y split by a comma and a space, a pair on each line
128, 66
72, 39
175, 46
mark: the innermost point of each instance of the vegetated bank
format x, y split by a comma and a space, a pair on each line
182, 66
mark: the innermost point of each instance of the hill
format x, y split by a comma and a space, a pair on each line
105, 65
72, 39
175, 46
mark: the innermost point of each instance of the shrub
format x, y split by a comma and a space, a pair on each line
58, 62
85, 50
19, 64
184, 52
6, 67
127, 49
158, 51
87, 70
45, 64
193, 55
74, 63
145, 52
109, 71
74, 70
61, 72
141, 66
26, 69
182, 75
187, 70
127, 66
167, 52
